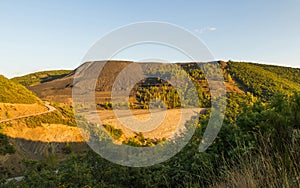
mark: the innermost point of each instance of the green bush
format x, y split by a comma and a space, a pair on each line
115, 133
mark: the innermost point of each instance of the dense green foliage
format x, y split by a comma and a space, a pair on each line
11, 92
115, 133
140, 141
258, 141
265, 81
40, 77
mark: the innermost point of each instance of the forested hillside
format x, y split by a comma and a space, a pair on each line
265, 81
292, 74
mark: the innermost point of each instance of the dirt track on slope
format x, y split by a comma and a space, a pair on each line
47, 104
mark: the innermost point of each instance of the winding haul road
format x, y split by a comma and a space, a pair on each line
47, 104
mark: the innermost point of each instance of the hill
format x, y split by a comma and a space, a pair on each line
11, 92
60, 90
40, 77
263, 81
258, 143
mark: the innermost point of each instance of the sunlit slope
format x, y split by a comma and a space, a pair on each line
265, 81
11, 92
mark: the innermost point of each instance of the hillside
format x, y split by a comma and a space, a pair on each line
40, 77
292, 74
253, 146
11, 92
263, 81
60, 90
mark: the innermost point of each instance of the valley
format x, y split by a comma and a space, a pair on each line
262, 113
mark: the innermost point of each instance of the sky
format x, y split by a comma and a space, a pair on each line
56, 34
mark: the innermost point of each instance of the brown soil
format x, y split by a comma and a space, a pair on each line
167, 128
232, 87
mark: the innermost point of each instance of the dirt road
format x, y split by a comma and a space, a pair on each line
47, 104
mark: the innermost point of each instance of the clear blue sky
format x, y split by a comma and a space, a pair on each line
42, 35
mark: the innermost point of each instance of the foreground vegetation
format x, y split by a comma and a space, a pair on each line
258, 146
